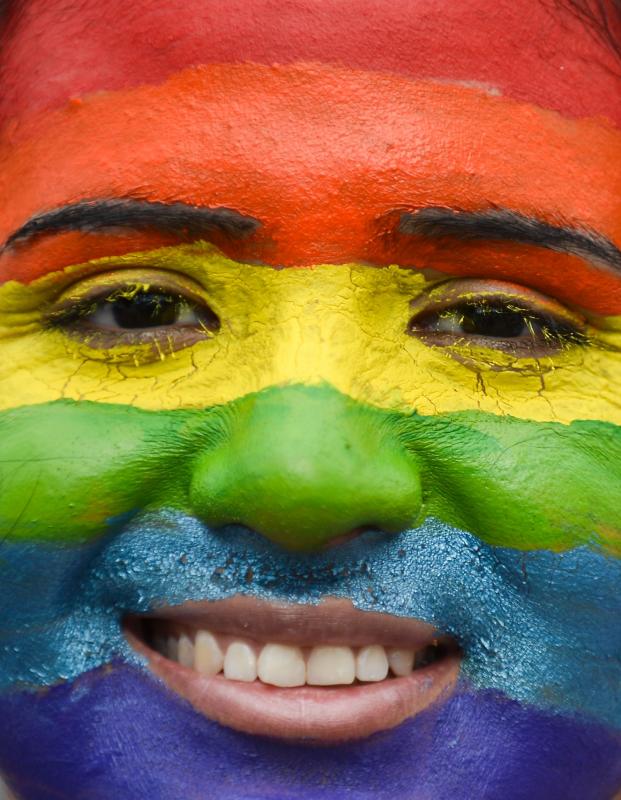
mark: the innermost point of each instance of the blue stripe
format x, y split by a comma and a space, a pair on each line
540, 627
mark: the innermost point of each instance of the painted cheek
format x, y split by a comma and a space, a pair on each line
79, 470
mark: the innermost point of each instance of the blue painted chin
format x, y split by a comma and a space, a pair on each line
120, 733
538, 628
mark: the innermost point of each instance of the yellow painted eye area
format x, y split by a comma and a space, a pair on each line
497, 315
393, 337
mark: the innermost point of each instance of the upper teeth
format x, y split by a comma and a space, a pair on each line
282, 665
372, 663
328, 666
208, 657
286, 665
240, 662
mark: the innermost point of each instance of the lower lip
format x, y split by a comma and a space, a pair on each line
320, 714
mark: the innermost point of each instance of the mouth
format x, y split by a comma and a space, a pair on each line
324, 673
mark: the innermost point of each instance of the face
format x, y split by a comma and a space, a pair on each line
310, 346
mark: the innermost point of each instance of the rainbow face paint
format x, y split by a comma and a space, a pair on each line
287, 323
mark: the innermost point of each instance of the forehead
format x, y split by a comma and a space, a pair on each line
530, 50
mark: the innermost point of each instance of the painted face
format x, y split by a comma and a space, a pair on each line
310, 444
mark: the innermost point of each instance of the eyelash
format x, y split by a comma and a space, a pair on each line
484, 308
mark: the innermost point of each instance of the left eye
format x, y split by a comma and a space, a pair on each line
454, 314
494, 321
131, 314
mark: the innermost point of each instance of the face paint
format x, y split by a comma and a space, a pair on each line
417, 417
306, 334
329, 324
535, 53
269, 174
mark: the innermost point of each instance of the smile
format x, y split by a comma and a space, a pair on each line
325, 673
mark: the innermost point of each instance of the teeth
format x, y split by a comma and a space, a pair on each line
285, 666
371, 663
329, 666
240, 663
185, 652
160, 643
208, 657
282, 665
172, 648
401, 661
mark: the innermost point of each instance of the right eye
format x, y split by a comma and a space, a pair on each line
135, 314
143, 310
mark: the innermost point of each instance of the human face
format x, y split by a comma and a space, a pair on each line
310, 336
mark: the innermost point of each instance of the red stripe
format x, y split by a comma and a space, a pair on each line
529, 50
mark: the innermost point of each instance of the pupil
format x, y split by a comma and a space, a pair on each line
501, 323
145, 310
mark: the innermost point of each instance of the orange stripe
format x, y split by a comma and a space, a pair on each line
321, 156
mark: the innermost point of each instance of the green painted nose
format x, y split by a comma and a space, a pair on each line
305, 466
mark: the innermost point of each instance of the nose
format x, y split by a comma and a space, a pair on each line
306, 466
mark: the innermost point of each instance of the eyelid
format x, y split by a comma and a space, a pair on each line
99, 287
454, 292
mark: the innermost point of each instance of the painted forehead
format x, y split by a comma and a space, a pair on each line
327, 161
537, 52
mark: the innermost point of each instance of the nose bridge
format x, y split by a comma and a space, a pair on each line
317, 335
304, 465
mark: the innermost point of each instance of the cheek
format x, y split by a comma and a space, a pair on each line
81, 469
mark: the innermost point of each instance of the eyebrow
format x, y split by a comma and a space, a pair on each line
90, 216
504, 225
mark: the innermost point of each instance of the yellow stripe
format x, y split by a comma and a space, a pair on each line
342, 324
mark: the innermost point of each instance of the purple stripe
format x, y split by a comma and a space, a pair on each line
120, 734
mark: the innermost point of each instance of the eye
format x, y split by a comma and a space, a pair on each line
497, 315
133, 314
142, 310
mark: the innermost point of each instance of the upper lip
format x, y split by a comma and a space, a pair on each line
333, 621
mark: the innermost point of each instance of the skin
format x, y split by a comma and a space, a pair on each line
516, 451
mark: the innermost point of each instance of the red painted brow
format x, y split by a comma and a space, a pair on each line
529, 50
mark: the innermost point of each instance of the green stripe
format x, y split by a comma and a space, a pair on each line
304, 464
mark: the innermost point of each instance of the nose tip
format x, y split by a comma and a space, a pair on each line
307, 467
